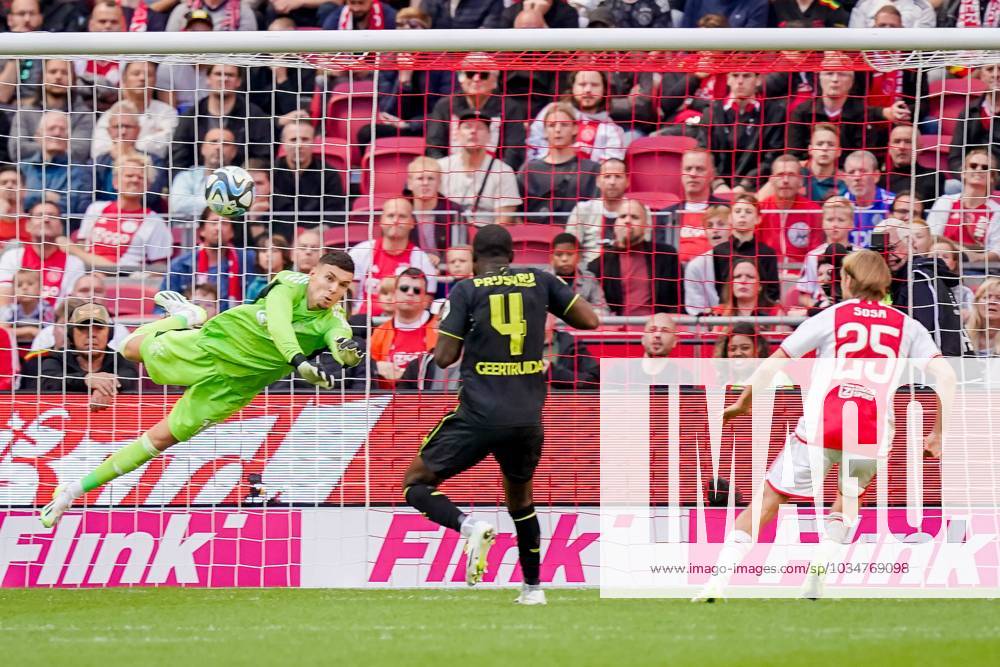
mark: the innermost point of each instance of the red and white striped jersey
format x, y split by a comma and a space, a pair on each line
867, 339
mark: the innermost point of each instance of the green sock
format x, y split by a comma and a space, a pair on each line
171, 323
124, 461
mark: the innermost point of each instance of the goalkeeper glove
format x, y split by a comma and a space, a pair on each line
310, 372
350, 352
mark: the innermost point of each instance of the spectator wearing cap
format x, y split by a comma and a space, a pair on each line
389, 254
57, 93
214, 260
90, 287
226, 105
361, 15
469, 14
739, 14
224, 14
156, 120
87, 365
554, 184
472, 177
59, 271
304, 190
504, 114
639, 13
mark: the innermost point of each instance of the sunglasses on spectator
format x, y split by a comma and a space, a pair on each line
473, 75
981, 166
407, 289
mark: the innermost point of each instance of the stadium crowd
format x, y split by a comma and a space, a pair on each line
657, 196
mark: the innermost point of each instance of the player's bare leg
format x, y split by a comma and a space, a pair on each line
420, 491
521, 507
148, 446
738, 543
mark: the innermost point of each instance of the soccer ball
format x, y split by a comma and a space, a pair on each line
230, 191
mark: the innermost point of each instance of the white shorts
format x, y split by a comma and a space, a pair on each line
798, 465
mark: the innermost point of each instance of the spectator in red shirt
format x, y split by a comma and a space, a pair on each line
410, 333
389, 254
971, 218
683, 228
12, 205
789, 222
60, 271
124, 232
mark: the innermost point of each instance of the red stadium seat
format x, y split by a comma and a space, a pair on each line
948, 99
533, 243
655, 200
345, 236
360, 208
933, 151
388, 161
125, 299
345, 115
654, 163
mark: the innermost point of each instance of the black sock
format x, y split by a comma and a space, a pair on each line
529, 542
435, 505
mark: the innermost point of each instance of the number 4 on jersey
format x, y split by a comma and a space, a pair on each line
509, 320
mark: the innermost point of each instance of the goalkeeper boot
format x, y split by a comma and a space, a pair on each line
176, 304
477, 548
531, 595
51, 513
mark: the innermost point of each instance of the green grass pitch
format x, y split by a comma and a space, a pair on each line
412, 628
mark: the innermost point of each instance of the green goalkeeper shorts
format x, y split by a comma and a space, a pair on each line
174, 357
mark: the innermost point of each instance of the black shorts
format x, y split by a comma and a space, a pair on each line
455, 445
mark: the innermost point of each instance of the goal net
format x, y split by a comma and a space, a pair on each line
722, 187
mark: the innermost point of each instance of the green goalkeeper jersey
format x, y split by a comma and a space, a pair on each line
260, 338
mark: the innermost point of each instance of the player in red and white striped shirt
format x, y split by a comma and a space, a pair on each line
867, 338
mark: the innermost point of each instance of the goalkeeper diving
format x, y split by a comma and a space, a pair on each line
227, 360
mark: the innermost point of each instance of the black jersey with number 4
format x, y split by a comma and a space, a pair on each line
500, 317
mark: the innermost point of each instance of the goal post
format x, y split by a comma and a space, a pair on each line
301, 488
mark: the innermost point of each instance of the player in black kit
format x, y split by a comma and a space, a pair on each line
498, 317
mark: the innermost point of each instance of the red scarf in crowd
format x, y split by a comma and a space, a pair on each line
52, 268
114, 230
376, 17
969, 14
231, 268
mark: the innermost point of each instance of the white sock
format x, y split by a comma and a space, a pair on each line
737, 546
467, 525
